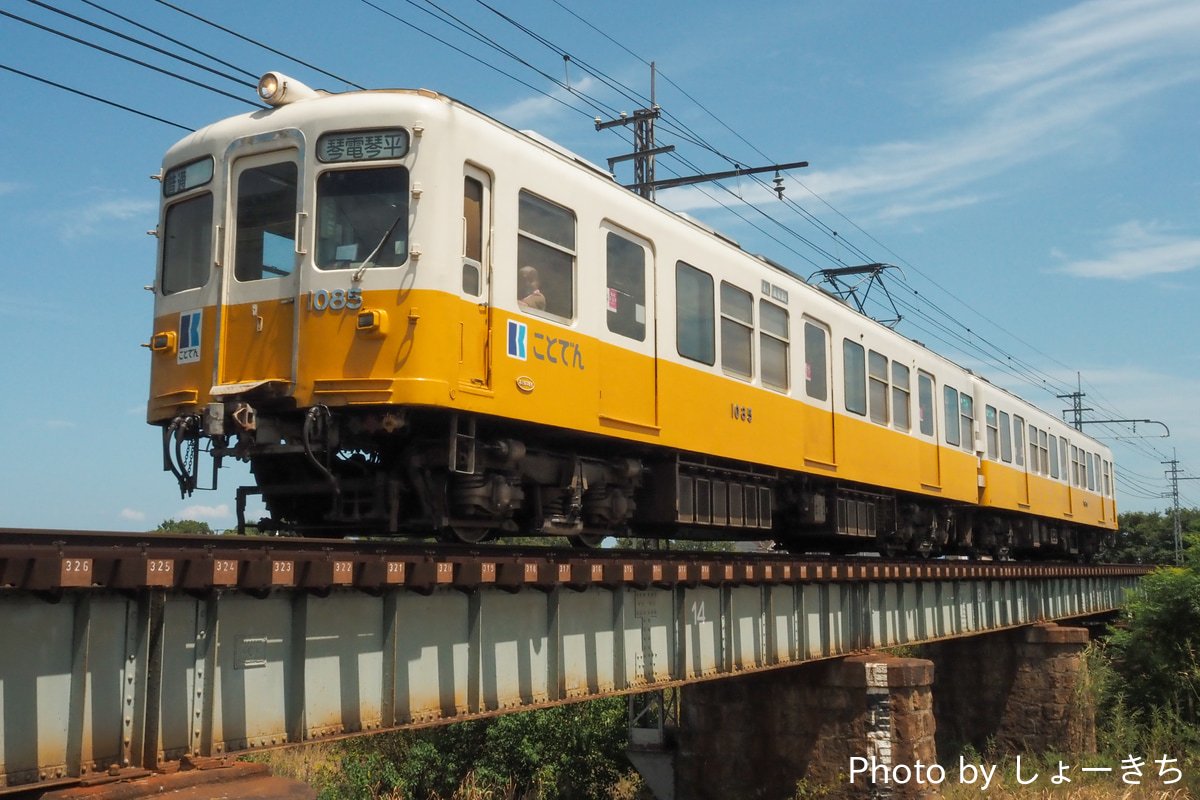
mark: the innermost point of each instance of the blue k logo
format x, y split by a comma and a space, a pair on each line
517, 335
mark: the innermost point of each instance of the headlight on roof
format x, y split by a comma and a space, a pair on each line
277, 89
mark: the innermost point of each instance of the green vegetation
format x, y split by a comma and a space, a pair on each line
571, 752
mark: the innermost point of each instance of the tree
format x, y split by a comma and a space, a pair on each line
183, 526
1149, 537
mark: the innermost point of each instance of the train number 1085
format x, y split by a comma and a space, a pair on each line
336, 300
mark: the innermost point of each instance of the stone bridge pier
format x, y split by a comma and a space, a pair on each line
873, 725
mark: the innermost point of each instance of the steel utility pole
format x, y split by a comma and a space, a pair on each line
1076, 398
1174, 476
644, 152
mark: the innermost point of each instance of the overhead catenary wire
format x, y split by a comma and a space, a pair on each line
140, 43
177, 42
98, 99
257, 43
124, 57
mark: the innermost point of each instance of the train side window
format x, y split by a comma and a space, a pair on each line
187, 244
1062, 456
900, 397
993, 431
472, 236
1018, 441
1091, 472
1043, 453
877, 385
950, 396
266, 222
1053, 456
1005, 438
925, 403
773, 345
695, 326
854, 358
737, 331
967, 416
816, 368
545, 243
626, 287
1107, 482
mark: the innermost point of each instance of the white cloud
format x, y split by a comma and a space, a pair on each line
1137, 250
1082, 45
204, 513
132, 515
543, 110
99, 216
1028, 93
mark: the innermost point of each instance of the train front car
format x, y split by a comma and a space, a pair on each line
301, 251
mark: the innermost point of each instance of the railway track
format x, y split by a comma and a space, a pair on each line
57, 560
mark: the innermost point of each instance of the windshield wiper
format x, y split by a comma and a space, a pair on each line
358, 273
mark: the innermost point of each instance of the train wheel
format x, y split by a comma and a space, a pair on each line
465, 534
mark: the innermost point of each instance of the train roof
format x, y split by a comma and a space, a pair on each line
214, 138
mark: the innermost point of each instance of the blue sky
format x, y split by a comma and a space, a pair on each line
1031, 167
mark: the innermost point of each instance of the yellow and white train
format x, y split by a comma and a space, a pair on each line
412, 319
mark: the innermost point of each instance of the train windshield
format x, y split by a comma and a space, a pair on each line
362, 218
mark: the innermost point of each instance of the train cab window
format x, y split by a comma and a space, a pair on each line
1018, 441
773, 345
816, 367
900, 397
877, 386
545, 270
187, 244
925, 403
266, 222
362, 218
950, 396
1053, 456
472, 282
695, 325
993, 431
1006, 449
626, 265
854, 358
737, 331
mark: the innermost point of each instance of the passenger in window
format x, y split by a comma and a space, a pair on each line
530, 294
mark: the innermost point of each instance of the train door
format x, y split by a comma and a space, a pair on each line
930, 459
258, 315
628, 366
1069, 501
476, 308
818, 387
1020, 456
